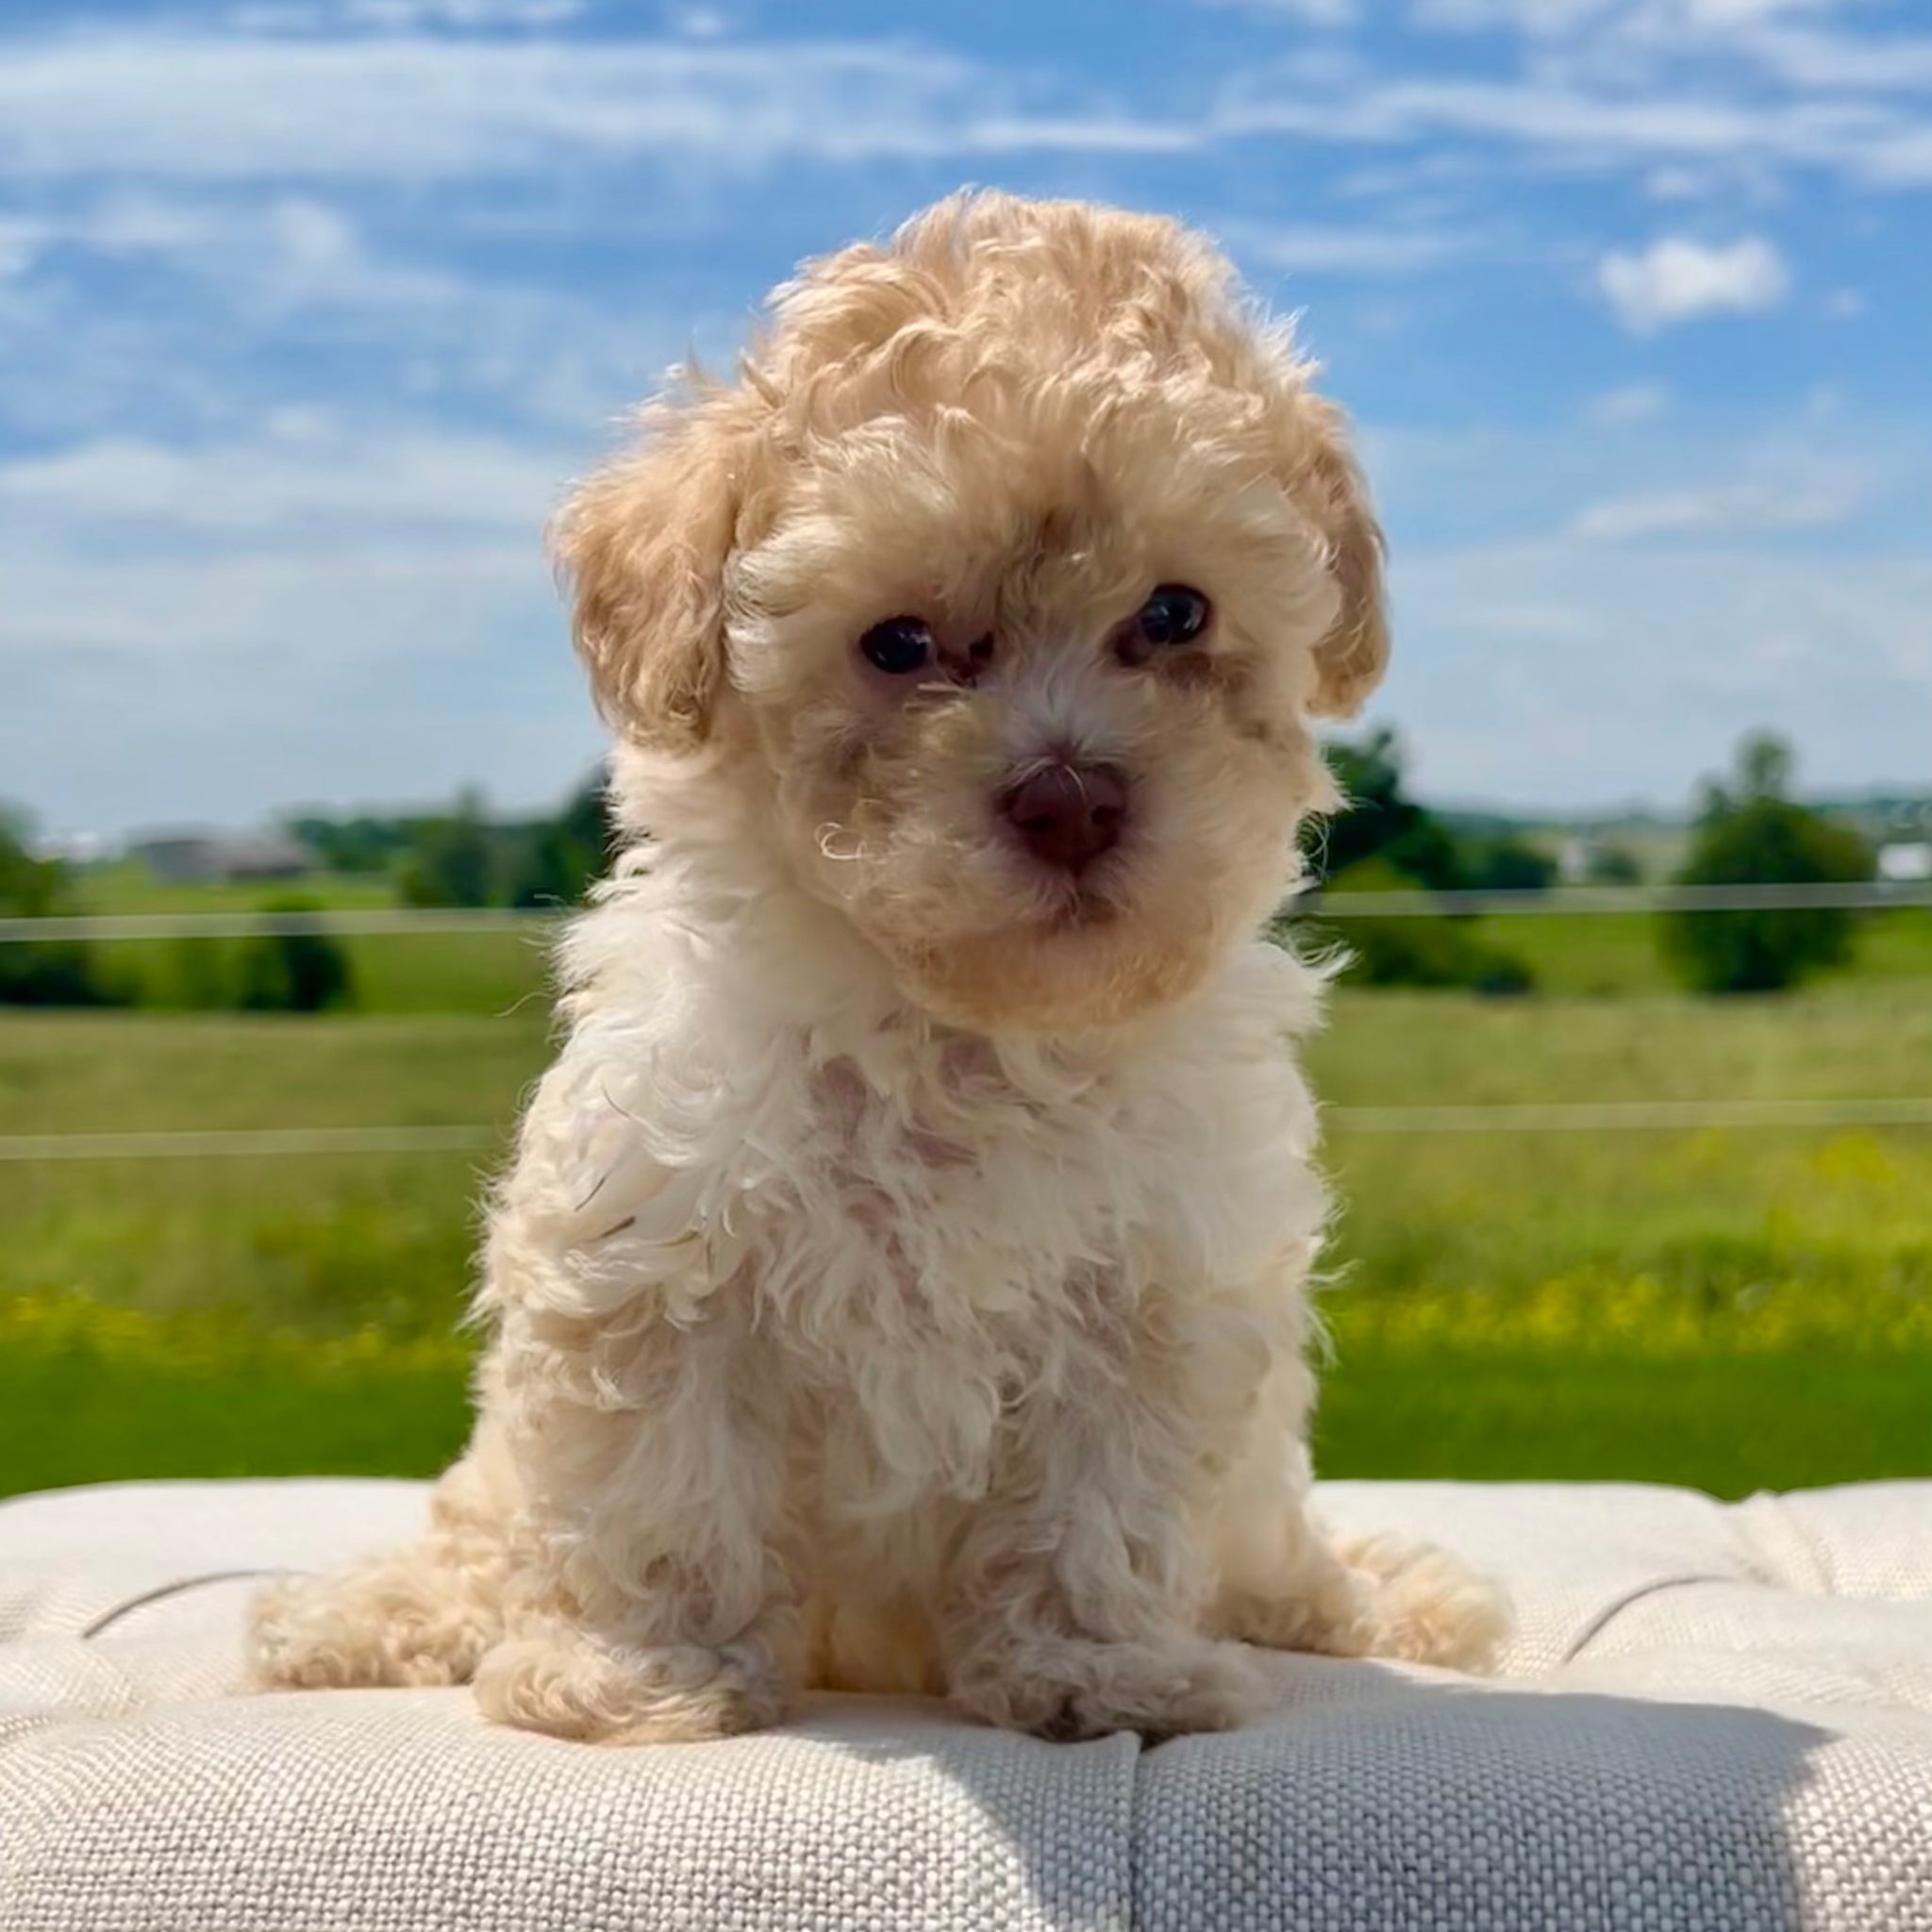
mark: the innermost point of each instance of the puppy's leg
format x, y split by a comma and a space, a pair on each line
1287, 1585
424, 1614
1075, 1599
651, 1602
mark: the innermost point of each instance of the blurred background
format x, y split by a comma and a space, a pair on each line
310, 308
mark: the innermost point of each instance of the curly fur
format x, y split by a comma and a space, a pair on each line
901, 1280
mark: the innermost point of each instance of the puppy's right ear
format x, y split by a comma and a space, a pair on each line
642, 546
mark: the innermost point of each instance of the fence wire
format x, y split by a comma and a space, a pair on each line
1872, 896
1621, 1116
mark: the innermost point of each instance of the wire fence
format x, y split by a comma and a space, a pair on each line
1873, 896
1591, 1117
1651, 1116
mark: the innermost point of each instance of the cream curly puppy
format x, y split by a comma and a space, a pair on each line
901, 1282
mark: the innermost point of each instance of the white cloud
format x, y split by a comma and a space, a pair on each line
1677, 279
700, 22
1556, 669
210, 106
1724, 509
1543, 18
427, 106
1314, 248
321, 610
303, 476
399, 16
1636, 402
241, 297
1806, 58
21, 243
1575, 120
1331, 15
284, 251
1826, 100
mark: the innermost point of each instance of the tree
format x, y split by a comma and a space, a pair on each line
453, 860
1613, 865
1378, 819
359, 844
1507, 864
1418, 952
1752, 833
292, 972
559, 858
40, 973
1383, 841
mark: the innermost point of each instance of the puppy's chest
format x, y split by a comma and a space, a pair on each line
960, 1195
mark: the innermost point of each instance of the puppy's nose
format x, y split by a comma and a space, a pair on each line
1070, 812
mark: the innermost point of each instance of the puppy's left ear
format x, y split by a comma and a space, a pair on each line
642, 546
1327, 482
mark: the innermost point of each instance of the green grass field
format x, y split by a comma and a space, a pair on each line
1732, 1309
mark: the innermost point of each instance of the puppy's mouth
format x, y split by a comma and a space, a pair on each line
1081, 901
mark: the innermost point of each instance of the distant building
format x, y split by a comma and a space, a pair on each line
181, 859
1907, 863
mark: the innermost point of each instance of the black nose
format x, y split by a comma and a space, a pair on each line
1068, 813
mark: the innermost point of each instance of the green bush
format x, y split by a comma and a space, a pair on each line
1614, 865
49, 973
1754, 834
1428, 951
1378, 819
292, 972
1506, 863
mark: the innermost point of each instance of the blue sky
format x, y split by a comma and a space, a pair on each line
309, 309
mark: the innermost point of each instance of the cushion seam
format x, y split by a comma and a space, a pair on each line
1612, 1611
108, 1618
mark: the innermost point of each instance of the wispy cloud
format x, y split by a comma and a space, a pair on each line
403, 16
1316, 13
198, 105
1727, 510
1350, 249
1560, 668
1678, 280
1635, 402
323, 609
304, 475
195, 104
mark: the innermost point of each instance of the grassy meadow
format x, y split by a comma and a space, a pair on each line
1735, 1308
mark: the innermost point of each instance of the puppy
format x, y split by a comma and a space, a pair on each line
901, 1283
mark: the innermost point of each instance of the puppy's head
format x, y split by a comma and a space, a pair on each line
1000, 586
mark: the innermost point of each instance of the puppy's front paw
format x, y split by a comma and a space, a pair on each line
1423, 1606
1378, 1596
1070, 1688
570, 1685
397, 1620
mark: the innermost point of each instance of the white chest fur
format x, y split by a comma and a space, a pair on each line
915, 1222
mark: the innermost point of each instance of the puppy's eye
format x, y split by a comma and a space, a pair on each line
899, 646
1175, 614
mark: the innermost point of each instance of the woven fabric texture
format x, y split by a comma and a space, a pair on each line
1713, 1719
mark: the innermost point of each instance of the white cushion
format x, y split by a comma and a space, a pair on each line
1714, 1718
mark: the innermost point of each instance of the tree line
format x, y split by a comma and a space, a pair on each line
1748, 829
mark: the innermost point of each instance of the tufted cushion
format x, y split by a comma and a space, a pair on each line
1713, 1717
